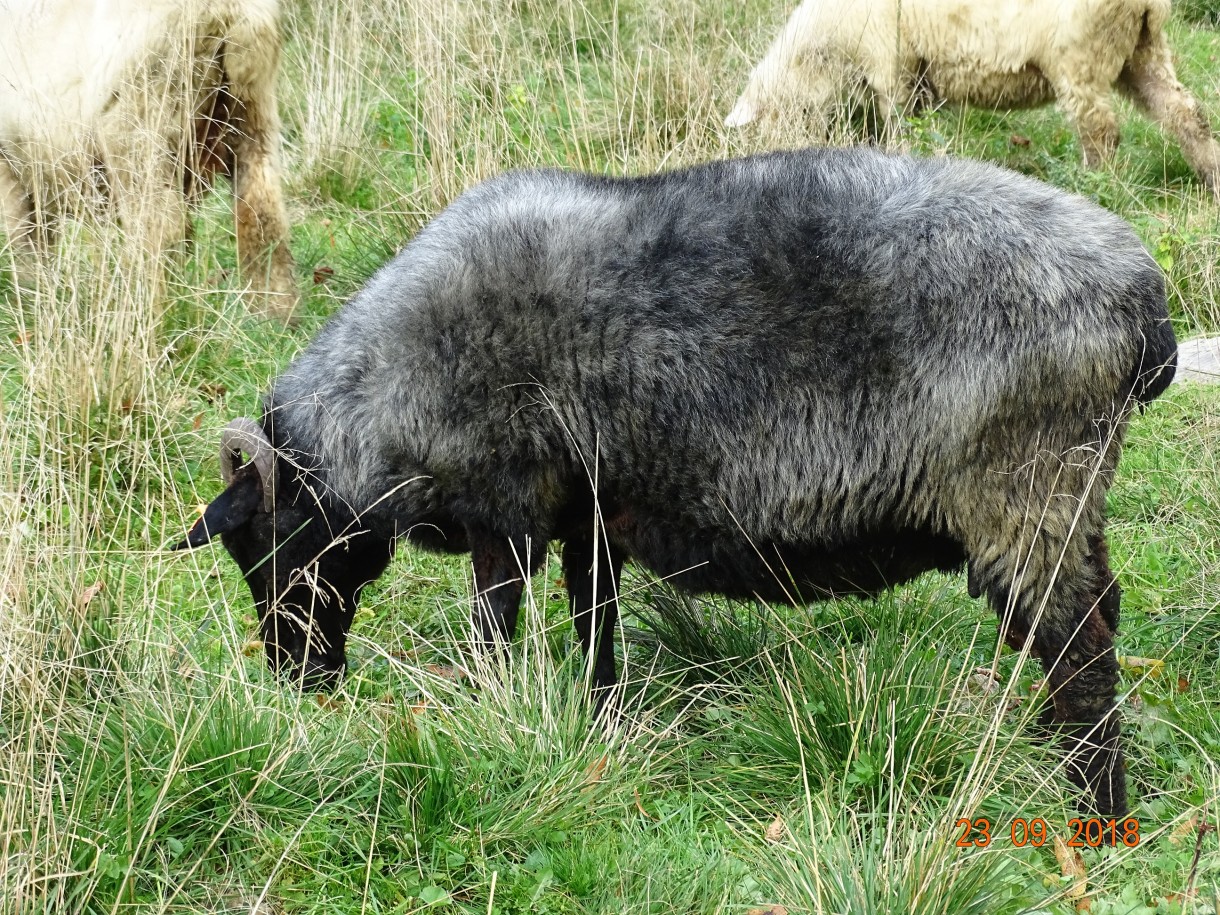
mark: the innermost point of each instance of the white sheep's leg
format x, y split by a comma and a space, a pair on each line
1148, 78
21, 228
251, 59
146, 193
893, 89
1092, 114
262, 225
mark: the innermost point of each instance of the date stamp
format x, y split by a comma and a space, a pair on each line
1093, 832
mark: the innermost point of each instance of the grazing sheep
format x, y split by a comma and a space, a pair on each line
989, 54
146, 101
787, 377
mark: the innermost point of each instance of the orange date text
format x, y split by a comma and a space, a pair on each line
1093, 832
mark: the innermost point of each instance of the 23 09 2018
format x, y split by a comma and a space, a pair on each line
1092, 832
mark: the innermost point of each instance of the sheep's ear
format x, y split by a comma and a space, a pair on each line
229, 510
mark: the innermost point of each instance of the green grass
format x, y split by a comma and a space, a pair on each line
1201, 11
816, 760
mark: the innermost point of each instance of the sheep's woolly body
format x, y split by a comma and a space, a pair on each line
68, 58
994, 53
975, 52
549, 322
788, 376
131, 87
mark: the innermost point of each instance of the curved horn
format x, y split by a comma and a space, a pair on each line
245, 435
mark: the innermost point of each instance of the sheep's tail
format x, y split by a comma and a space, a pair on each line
1156, 364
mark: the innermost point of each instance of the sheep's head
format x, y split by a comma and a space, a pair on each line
305, 567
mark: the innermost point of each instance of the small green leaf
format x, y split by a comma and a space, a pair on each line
434, 895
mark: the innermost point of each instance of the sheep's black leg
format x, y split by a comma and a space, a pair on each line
499, 579
1073, 639
1035, 543
1082, 670
592, 575
1108, 596
1108, 593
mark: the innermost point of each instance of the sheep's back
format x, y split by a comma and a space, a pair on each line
751, 344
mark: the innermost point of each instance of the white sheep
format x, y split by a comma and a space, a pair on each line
143, 103
988, 53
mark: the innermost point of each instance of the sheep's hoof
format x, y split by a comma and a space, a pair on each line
279, 306
606, 710
277, 299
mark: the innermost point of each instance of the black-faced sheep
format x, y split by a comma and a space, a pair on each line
791, 376
989, 54
148, 100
